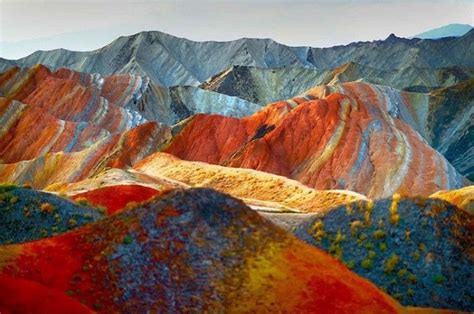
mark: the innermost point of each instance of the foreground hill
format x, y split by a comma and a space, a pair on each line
193, 249
28, 215
419, 250
170, 60
312, 139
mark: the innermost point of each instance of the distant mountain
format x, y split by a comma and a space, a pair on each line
450, 30
169, 60
262, 86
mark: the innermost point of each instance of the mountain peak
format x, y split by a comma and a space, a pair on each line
450, 30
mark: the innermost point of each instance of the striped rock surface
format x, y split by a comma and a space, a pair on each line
115, 151
263, 86
354, 136
67, 97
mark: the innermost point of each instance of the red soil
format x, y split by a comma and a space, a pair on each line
115, 198
24, 296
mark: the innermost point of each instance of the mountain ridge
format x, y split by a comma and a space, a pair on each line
170, 67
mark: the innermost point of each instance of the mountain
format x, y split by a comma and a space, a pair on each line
162, 174
416, 249
354, 136
450, 30
263, 86
114, 103
195, 249
170, 60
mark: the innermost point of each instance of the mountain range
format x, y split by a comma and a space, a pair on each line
168, 174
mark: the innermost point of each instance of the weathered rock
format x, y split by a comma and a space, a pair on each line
169, 60
361, 137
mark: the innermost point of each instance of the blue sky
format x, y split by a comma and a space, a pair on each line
26, 26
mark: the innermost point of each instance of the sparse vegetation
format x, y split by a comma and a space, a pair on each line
379, 234
367, 263
394, 216
317, 230
439, 279
47, 208
391, 263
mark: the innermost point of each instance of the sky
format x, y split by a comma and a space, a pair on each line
26, 26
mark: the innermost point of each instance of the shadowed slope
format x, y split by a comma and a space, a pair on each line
417, 249
194, 249
263, 86
28, 215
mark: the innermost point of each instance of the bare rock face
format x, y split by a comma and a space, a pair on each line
115, 151
263, 85
169, 60
360, 137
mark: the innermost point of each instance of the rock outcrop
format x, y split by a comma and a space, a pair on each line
356, 136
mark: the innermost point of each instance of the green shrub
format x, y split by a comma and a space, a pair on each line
439, 279
72, 222
379, 234
350, 264
412, 278
402, 272
127, 239
367, 263
391, 263
83, 201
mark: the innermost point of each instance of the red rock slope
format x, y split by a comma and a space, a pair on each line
358, 137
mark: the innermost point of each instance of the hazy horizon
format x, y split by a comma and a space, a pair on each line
90, 25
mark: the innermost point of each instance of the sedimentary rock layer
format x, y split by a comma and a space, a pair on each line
264, 85
116, 151
356, 136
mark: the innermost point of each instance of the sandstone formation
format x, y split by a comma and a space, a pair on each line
354, 136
